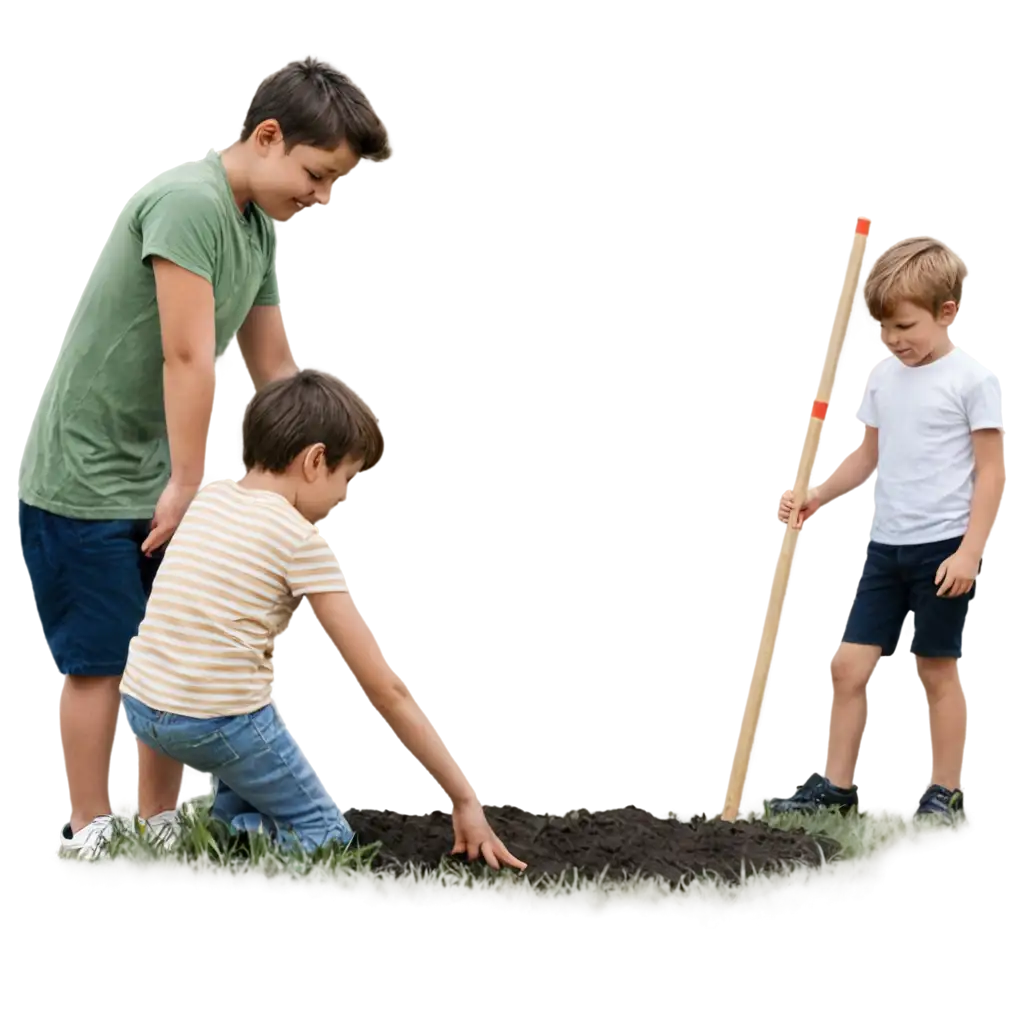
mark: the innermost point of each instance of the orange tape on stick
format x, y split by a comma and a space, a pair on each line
818, 410
862, 226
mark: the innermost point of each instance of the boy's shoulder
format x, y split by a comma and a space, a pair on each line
195, 188
252, 511
970, 370
188, 199
198, 178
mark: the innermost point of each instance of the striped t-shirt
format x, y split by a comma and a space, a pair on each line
235, 571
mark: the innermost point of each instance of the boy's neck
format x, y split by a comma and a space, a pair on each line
235, 160
278, 483
942, 348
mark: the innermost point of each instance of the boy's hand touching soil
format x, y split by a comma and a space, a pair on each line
474, 837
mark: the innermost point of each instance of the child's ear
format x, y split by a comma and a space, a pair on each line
314, 461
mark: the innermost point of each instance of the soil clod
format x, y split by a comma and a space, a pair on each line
622, 844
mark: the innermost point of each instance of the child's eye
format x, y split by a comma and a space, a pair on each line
315, 177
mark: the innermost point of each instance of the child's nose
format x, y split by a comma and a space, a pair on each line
323, 193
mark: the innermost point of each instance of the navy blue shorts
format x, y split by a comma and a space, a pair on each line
91, 583
898, 579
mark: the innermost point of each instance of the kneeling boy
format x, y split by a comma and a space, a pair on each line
197, 685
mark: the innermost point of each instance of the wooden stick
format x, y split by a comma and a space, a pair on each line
778, 594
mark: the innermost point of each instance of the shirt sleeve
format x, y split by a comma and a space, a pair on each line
984, 404
868, 411
313, 569
181, 226
269, 290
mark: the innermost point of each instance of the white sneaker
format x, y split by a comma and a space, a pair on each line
162, 830
90, 840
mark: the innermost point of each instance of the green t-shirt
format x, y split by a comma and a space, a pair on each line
98, 445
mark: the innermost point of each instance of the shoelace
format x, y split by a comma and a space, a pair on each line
813, 788
99, 836
935, 797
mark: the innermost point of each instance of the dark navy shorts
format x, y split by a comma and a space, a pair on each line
898, 579
91, 583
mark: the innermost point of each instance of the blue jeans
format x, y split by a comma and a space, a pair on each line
263, 778
897, 580
91, 583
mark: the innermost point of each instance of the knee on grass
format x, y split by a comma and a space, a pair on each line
288, 838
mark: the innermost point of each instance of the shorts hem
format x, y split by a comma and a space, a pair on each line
936, 654
91, 671
887, 652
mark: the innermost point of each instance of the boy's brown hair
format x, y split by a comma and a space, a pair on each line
920, 270
316, 105
286, 416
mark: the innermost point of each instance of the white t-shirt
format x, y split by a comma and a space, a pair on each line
233, 575
925, 415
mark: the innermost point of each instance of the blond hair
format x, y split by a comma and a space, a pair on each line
919, 270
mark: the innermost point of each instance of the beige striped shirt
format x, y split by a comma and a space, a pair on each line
235, 571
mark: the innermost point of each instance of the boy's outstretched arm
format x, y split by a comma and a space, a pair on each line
345, 626
188, 332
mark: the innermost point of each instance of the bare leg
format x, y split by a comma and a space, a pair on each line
851, 669
159, 781
947, 710
57, 720
88, 718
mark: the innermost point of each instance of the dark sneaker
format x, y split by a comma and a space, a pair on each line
939, 803
816, 794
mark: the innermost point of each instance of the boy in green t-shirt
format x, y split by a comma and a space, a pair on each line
117, 448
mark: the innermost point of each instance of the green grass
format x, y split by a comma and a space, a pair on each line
348, 875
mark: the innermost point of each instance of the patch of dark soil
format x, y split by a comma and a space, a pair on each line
621, 843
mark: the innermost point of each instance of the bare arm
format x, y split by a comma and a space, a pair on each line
853, 470
187, 328
264, 346
989, 479
387, 693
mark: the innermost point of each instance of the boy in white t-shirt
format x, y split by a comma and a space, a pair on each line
197, 685
933, 429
